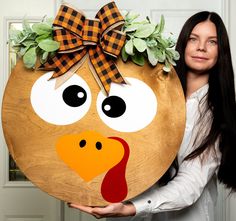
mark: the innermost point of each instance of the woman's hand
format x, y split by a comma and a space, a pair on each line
112, 210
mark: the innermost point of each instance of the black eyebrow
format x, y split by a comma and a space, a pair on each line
198, 35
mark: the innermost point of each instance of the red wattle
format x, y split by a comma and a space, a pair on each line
114, 186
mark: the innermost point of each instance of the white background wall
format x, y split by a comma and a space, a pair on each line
22, 201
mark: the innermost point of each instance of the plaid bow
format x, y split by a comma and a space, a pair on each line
99, 37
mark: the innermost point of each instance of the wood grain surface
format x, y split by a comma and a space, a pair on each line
31, 140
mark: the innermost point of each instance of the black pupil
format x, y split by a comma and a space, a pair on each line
74, 96
113, 106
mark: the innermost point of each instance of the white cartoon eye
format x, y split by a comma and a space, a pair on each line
128, 108
64, 105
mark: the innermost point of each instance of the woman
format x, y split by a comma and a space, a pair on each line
209, 144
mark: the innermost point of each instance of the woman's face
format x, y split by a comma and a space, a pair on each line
201, 52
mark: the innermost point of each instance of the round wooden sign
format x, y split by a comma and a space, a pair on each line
81, 146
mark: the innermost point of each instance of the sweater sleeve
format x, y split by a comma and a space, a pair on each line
183, 190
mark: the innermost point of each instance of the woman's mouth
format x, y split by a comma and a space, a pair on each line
199, 58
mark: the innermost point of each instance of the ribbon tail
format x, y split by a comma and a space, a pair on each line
113, 42
61, 63
97, 79
63, 78
49, 65
104, 70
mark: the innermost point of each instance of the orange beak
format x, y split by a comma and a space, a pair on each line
89, 153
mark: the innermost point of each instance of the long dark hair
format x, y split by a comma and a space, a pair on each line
221, 97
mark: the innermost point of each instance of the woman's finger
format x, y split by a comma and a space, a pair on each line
86, 209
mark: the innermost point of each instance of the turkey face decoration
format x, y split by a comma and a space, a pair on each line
81, 146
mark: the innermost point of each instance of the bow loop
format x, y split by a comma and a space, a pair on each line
68, 41
91, 32
110, 17
70, 19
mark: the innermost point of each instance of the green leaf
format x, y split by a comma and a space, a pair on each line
163, 42
41, 28
144, 35
131, 16
32, 36
167, 67
39, 51
16, 48
132, 27
160, 55
124, 55
52, 54
23, 50
151, 56
129, 47
44, 57
30, 58
26, 26
140, 44
144, 31
171, 42
151, 43
43, 37
174, 54
28, 43
170, 58
138, 59
23, 37
15, 36
49, 45
160, 26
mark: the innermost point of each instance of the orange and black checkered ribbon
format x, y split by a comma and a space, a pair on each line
100, 37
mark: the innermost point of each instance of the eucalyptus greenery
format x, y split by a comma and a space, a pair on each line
146, 40
34, 41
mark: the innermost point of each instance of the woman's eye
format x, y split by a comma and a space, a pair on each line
212, 42
128, 108
192, 39
64, 105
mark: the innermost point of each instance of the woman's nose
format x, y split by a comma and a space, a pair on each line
201, 46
